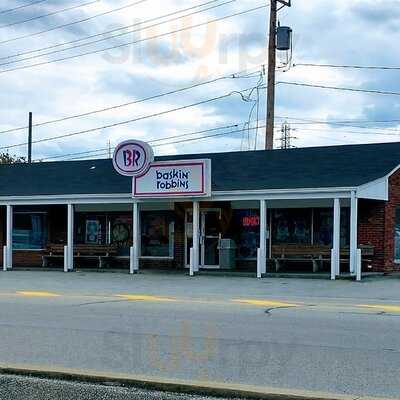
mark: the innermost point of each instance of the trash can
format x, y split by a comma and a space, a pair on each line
227, 254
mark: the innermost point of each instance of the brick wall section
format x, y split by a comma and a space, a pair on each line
390, 222
371, 220
377, 220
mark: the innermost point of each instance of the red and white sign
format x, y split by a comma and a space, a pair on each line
133, 157
251, 221
190, 178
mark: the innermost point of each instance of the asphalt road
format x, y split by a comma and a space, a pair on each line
316, 335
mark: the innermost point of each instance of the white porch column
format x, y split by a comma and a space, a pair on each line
335, 258
353, 233
9, 238
262, 264
70, 238
196, 236
135, 251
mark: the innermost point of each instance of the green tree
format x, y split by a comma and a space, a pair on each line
6, 158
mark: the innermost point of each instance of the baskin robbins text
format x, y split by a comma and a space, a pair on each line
175, 179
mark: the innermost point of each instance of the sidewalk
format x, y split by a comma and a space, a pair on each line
205, 285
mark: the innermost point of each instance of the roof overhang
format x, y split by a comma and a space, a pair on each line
377, 189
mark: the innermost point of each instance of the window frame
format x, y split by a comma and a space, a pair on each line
45, 215
171, 233
396, 260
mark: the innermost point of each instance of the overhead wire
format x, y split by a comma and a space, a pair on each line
32, 34
49, 14
142, 28
21, 6
371, 91
141, 118
179, 141
20, 54
353, 132
236, 75
371, 67
150, 141
132, 42
349, 123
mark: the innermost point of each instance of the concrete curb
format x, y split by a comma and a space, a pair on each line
215, 389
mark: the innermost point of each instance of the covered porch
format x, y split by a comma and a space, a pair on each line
290, 231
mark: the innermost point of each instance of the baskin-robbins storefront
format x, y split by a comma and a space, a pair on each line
324, 209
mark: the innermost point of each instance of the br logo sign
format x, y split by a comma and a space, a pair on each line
133, 157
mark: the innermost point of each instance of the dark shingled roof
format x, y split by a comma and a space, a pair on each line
316, 167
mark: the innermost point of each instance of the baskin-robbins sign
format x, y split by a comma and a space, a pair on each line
191, 178
174, 179
133, 157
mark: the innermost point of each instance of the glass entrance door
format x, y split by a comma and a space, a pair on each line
210, 233
209, 238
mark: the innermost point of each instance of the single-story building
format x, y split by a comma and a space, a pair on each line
311, 209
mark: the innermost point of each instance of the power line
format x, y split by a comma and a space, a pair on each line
105, 150
105, 32
133, 42
22, 6
49, 14
125, 122
120, 34
339, 88
342, 123
355, 132
151, 141
373, 67
182, 141
157, 96
348, 121
73, 22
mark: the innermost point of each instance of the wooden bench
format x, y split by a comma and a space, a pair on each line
316, 254
103, 254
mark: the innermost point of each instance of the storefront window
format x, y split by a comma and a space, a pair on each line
157, 234
30, 231
90, 228
247, 233
121, 231
323, 226
292, 226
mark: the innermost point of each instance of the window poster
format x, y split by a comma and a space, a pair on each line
121, 232
93, 232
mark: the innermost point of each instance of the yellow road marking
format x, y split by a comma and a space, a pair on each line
382, 307
37, 294
264, 303
135, 297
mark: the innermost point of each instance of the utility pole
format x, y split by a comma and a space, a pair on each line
269, 134
30, 139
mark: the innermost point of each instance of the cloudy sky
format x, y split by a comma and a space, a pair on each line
339, 32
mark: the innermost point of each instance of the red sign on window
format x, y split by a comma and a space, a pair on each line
253, 220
